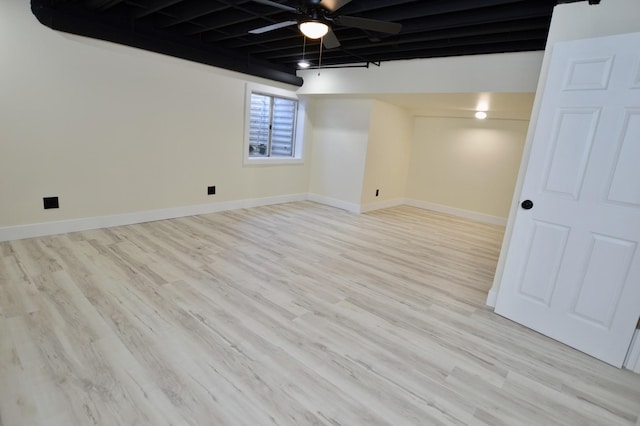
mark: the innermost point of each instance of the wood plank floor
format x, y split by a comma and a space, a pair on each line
295, 314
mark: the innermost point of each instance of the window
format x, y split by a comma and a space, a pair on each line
272, 126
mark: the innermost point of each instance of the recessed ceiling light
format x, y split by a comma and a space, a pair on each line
304, 64
481, 115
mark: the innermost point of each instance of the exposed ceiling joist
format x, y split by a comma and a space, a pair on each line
216, 32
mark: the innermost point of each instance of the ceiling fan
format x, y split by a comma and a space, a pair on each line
317, 17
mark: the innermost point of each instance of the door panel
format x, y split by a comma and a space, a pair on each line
627, 169
573, 134
572, 271
588, 74
547, 247
607, 261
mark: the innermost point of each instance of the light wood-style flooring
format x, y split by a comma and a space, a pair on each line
294, 314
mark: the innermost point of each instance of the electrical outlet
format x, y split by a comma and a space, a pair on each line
211, 190
377, 192
51, 203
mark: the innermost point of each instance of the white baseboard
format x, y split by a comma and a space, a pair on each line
632, 362
467, 214
381, 205
334, 202
82, 224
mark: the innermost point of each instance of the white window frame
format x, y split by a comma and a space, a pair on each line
298, 133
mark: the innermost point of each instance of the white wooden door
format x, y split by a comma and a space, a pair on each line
572, 270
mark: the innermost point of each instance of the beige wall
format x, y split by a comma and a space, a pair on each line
111, 129
388, 153
341, 134
571, 21
466, 164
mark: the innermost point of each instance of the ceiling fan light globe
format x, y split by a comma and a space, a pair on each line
314, 29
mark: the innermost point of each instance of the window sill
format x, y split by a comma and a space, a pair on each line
272, 161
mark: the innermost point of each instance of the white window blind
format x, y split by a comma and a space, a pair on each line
272, 125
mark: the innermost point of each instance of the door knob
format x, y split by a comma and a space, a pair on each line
527, 204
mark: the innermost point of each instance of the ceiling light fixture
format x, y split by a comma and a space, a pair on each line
481, 115
304, 64
314, 29
482, 106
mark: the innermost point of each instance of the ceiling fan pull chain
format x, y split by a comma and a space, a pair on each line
320, 59
304, 46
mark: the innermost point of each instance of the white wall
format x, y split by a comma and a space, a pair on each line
508, 73
571, 21
466, 164
504, 72
111, 129
388, 154
338, 157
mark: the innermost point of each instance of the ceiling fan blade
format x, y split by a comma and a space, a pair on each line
272, 27
333, 5
368, 24
278, 5
330, 41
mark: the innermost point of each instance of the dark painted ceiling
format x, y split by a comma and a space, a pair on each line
216, 32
